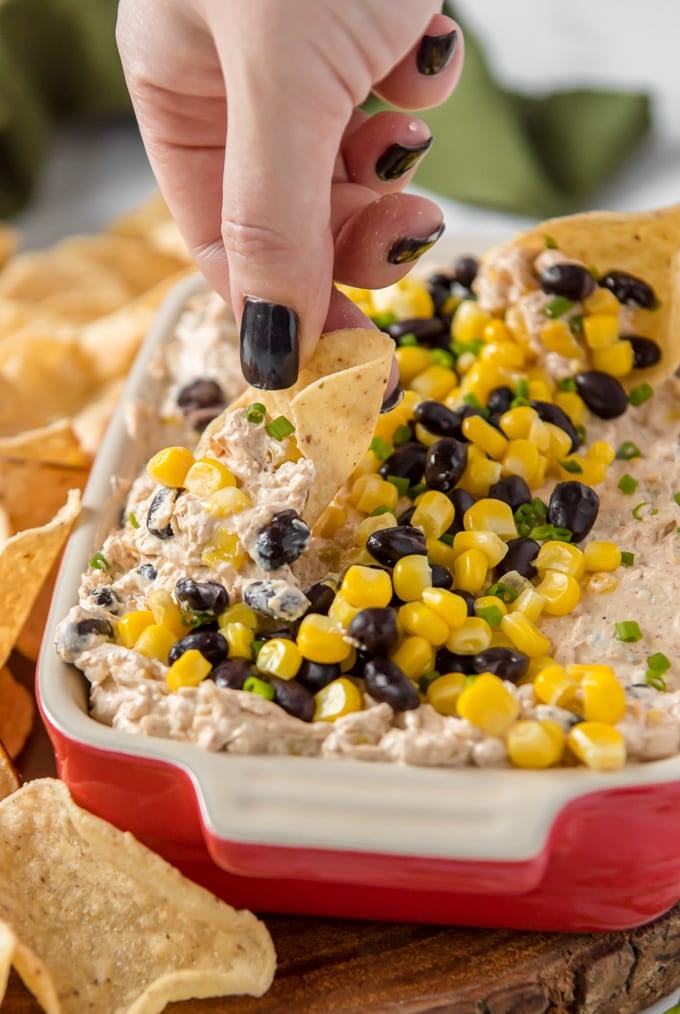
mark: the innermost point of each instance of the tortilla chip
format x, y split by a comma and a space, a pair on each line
334, 407
56, 444
9, 781
32, 491
151, 222
25, 561
29, 640
93, 920
5, 527
644, 244
16, 713
90, 423
9, 239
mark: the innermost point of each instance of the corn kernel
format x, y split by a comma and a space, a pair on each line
593, 472
434, 382
451, 607
441, 554
536, 664
239, 638
529, 602
555, 686
601, 301
556, 337
540, 390
488, 704
601, 555
535, 744
131, 625
188, 670
602, 450
616, 359
604, 699
347, 665
573, 404
480, 432
366, 586
491, 515
370, 525
443, 693
279, 657
524, 635
414, 656
340, 697
319, 641
155, 642
419, 620
598, 745
342, 612
516, 422
469, 321
226, 502
481, 378
522, 458
224, 548
479, 475
471, 637
424, 436
562, 556
239, 612
170, 466
411, 360
508, 355
600, 329
559, 442
470, 569
411, 576
600, 583
206, 476
562, 592
371, 491
499, 640
496, 331
434, 513
490, 602
406, 298
400, 415
166, 612
489, 543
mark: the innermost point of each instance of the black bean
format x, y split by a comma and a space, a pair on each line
602, 393
105, 597
374, 630
320, 597
441, 278
407, 462
205, 597
282, 541
438, 419
428, 330
469, 600
500, 399
551, 413
508, 663
446, 461
465, 270
389, 544
628, 289
462, 501
405, 517
275, 598
575, 506
447, 661
200, 393
520, 556
231, 673
646, 352
148, 571
94, 625
210, 643
441, 577
512, 490
82, 635
570, 280
317, 675
386, 682
294, 698
160, 513
439, 287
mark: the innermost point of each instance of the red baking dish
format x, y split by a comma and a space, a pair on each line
567, 849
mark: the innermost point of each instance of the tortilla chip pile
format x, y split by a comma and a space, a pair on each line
71, 321
92, 920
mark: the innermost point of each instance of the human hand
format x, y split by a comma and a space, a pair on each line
277, 181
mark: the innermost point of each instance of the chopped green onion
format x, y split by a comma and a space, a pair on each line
676, 497
640, 394
255, 413
655, 680
569, 465
581, 433
253, 685
408, 341
522, 388
528, 515
473, 400
551, 533
401, 482
99, 562
401, 435
469, 680
628, 450
382, 509
502, 592
416, 490
636, 512
440, 357
492, 615
280, 428
474, 347
627, 559
658, 662
628, 631
380, 448
427, 678
550, 243
566, 384
519, 402
446, 538
627, 484
557, 307
132, 518
576, 324
383, 320
255, 648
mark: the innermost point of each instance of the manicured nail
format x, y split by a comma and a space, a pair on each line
436, 52
393, 399
410, 248
270, 355
400, 159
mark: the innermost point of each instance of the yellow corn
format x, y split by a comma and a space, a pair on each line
414, 656
480, 474
188, 670
388, 422
480, 432
469, 321
131, 625
342, 612
347, 665
491, 515
434, 382
616, 359
554, 685
441, 553
224, 548
279, 657
434, 513
424, 436
541, 390
562, 592
319, 641
601, 555
481, 378
535, 744
517, 422
411, 360
366, 586
598, 745
239, 638
600, 329
507, 354
206, 476
490, 602
411, 576
155, 642
603, 697
470, 569
406, 298
488, 704
371, 491
559, 442
536, 665
530, 603
170, 466
496, 331
451, 607
522, 458
561, 556
516, 321
539, 435
602, 450
418, 619
340, 697
332, 519
239, 612
601, 301
489, 543
443, 693
226, 502
499, 640
370, 525
471, 637
556, 336
166, 611
524, 635
573, 404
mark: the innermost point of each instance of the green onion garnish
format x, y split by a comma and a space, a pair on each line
414, 491
519, 402
255, 648
576, 324
99, 562
440, 357
640, 394
502, 592
550, 243
382, 509
132, 518
492, 615
627, 559
522, 388
446, 538
383, 320
654, 679
408, 341
255, 413
628, 450
528, 515
551, 533
253, 685
469, 680
637, 509
628, 631
280, 427
658, 662
581, 433
401, 435
401, 482
427, 678
676, 497
566, 384
627, 484
557, 307
571, 466
474, 347
380, 448
473, 400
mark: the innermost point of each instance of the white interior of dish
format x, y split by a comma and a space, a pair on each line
470, 813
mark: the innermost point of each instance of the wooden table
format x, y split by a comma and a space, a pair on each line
328, 965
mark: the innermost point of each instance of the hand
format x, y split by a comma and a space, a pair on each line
278, 182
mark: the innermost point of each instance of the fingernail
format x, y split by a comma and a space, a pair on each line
410, 248
400, 159
436, 52
270, 355
393, 399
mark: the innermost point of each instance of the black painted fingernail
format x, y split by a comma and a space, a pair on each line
436, 52
393, 399
270, 355
400, 159
410, 248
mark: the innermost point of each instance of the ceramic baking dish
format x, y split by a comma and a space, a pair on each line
567, 849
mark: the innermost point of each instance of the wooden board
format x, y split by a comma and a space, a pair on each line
349, 967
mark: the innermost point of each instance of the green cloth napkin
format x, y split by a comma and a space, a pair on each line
532, 156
